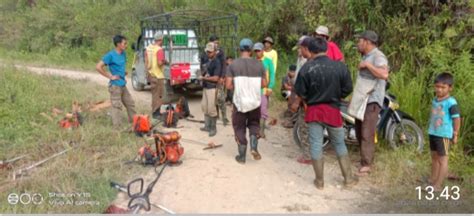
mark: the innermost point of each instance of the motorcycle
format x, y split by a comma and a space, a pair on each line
395, 126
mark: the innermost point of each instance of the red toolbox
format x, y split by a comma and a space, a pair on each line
180, 72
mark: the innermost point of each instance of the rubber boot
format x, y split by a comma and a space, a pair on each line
345, 164
206, 123
254, 147
225, 121
262, 128
212, 126
318, 166
242, 152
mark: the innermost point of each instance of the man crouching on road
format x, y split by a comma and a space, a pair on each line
246, 76
116, 61
322, 83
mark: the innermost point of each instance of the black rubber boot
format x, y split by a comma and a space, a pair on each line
212, 126
206, 123
345, 164
242, 152
318, 166
254, 147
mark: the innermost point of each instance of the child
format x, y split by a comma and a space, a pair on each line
445, 122
287, 82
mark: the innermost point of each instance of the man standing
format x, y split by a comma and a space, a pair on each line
155, 62
116, 60
374, 68
210, 80
221, 90
270, 52
246, 76
322, 83
266, 92
333, 53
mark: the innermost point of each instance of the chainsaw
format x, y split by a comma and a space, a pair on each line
167, 149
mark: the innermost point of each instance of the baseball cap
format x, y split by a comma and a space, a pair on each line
369, 35
258, 46
268, 39
210, 47
158, 36
245, 44
322, 30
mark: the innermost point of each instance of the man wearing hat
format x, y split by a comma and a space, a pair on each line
155, 62
269, 52
246, 76
221, 91
267, 91
334, 53
373, 68
210, 80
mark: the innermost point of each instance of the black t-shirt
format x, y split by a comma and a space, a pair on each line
214, 68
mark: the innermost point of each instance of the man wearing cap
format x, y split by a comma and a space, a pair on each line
373, 68
321, 84
269, 52
155, 62
116, 61
221, 91
267, 91
334, 53
210, 80
246, 76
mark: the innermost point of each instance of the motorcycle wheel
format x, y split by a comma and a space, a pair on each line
411, 137
301, 136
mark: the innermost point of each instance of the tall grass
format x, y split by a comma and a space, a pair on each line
97, 157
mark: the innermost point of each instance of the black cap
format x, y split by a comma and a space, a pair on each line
369, 35
213, 38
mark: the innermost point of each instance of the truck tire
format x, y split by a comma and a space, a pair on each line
136, 83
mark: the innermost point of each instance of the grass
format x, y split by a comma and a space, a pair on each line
88, 168
399, 172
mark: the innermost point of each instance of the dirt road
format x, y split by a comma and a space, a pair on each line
212, 182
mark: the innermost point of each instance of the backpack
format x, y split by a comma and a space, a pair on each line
170, 117
141, 124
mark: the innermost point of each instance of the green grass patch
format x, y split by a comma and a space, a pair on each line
98, 157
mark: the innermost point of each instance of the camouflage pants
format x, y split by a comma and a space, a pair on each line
221, 96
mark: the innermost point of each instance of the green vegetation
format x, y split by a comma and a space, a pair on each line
99, 151
420, 38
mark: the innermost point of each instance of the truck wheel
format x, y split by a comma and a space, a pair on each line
135, 83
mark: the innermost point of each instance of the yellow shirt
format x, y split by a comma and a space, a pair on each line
273, 55
154, 69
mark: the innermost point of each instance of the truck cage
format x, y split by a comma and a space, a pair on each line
187, 45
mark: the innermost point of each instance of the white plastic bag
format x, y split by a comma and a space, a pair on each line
362, 91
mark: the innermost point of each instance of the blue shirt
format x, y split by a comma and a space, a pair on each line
442, 114
116, 63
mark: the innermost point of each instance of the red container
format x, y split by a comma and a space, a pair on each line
180, 72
